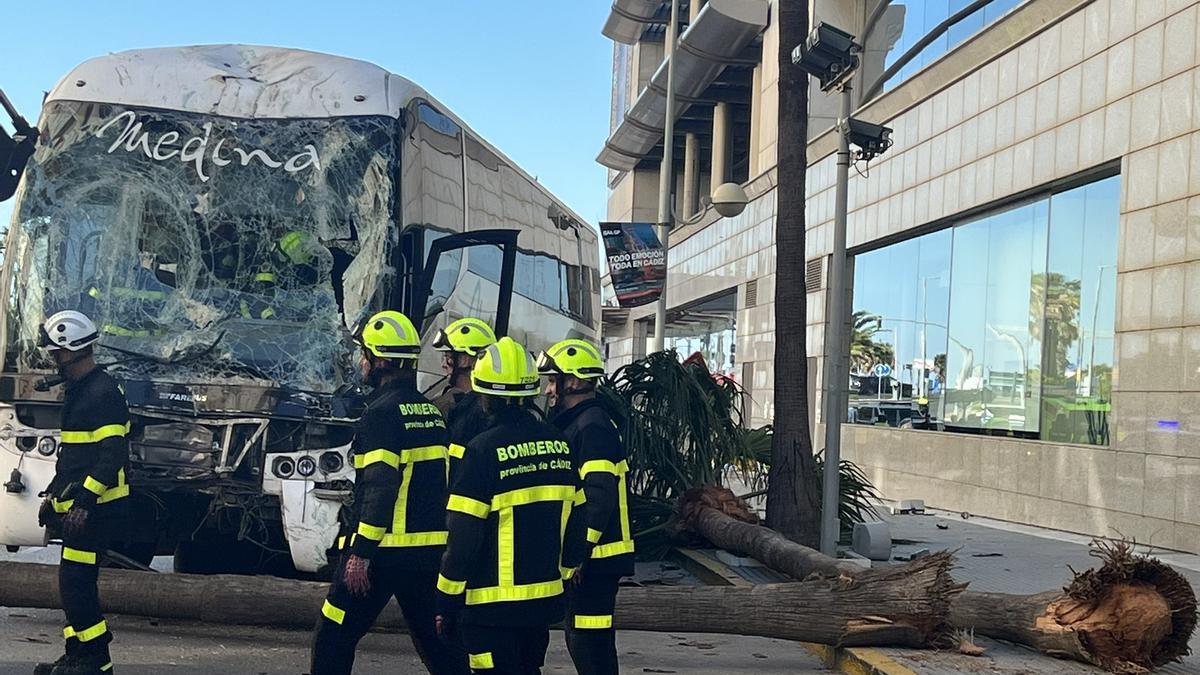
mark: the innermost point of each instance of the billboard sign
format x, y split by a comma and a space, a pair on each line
636, 262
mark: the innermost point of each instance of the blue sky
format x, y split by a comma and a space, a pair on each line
533, 76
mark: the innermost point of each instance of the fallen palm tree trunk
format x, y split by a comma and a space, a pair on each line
902, 606
724, 519
1131, 614
222, 599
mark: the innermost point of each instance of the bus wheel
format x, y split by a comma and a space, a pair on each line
199, 557
227, 555
141, 552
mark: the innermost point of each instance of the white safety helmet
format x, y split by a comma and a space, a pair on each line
69, 330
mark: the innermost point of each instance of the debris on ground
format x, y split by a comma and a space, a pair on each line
966, 643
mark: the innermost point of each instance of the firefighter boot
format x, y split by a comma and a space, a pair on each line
69, 653
97, 662
48, 668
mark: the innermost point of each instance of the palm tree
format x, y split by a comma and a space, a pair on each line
865, 352
1054, 303
793, 491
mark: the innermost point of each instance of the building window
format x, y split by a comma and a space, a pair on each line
906, 22
707, 328
622, 68
1003, 324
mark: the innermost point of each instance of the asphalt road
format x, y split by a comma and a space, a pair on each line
150, 647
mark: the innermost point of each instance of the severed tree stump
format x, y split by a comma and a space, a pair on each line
1129, 615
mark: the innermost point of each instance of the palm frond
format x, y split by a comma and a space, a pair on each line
683, 428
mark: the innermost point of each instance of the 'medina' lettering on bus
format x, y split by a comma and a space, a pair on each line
195, 149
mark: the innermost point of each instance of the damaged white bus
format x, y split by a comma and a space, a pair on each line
226, 213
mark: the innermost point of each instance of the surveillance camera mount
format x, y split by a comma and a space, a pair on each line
830, 55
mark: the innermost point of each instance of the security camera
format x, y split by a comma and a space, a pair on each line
873, 139
729, 199
829, 54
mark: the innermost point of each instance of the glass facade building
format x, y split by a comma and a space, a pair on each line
914, 19
1001, 324
1026, 322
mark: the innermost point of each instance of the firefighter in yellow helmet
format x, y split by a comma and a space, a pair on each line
573, 368
460, 343
394, 530
501, 583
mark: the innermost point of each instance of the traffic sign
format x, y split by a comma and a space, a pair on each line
882, 370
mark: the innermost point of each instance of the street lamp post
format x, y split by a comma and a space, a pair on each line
729, 199
831, 55
666, 176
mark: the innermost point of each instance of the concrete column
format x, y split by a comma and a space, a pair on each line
691, 151
691, 174
641, 339
756, 120
720, 149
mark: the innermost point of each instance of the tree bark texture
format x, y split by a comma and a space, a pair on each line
793, 493
897, 606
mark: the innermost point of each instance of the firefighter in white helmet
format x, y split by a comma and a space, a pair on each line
85, 501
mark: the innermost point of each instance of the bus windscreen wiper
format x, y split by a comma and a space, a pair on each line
50, 381
176, 357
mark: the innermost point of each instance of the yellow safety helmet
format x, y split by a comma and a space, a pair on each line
505, 369
390, 335
572, 357
465, 336
298, 247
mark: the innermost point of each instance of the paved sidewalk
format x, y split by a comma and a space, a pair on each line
1006, 558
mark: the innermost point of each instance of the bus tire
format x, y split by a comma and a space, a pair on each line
199, 557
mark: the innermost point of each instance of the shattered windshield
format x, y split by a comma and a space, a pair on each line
207, 249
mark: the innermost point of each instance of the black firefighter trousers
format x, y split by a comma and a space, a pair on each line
591, 639
506, 650
86, 632
346, 618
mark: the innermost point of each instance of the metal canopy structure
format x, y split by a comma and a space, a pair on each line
628, 19
722, 38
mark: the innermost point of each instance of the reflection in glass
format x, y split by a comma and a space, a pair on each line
994, 322
1004, 324
898, 334
1080, 304
907, 22
709, 329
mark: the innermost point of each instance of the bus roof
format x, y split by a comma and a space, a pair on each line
251, 82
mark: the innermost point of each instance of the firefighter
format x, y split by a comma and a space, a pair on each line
501, 582
300, 255
257, 302
460, 343
396, 525
573, 368
85, 501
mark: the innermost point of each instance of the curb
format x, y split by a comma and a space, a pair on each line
857, 660
849, 660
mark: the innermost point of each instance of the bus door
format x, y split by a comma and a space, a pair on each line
465, 274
